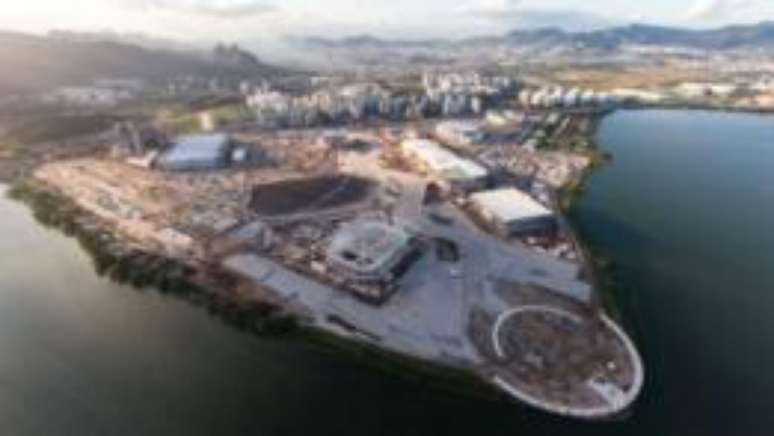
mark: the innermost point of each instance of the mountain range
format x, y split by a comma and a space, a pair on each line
38, 63
759, 35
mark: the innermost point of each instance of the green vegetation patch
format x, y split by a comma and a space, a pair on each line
35, 129
187, 120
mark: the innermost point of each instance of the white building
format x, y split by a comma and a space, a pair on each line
538, 98
90, 96
555, 97
457, 173
552, 97
513, 213
460, 133
351, 103
765, 84
637, 95
525, 97
504, 118
468, 83
692, 90
588, 98
700, 89
455, 105
572, 98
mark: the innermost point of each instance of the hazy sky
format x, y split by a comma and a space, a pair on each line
255, 19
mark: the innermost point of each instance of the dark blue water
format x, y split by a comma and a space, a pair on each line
686, 209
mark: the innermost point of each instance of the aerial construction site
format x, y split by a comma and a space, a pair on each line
390, 236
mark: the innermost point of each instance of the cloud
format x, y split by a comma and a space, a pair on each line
216, 9
520, 14
706, 10
492, 9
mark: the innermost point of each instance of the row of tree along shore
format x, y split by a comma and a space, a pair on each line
602, 267
117, 259
124, 263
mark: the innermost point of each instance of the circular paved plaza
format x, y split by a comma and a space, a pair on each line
568, 363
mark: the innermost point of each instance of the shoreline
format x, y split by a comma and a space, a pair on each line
264, 320
144, 271
681, 106
196, 284
601, 267
569, 197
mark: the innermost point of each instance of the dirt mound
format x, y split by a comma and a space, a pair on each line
309, 195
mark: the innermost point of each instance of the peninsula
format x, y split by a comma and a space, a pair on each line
439, 238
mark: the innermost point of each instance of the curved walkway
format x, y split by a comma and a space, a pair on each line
619, 405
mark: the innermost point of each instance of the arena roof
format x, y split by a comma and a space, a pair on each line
443, 161
510, 205
197, 149
368, 246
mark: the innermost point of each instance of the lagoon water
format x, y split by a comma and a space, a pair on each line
686, 209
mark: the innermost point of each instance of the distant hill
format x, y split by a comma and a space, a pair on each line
132, 38
730, 37
368, 42
34, 63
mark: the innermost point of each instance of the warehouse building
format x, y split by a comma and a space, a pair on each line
513, 213
196, 153
454, 172
460, 133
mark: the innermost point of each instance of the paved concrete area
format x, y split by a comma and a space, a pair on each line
430, 315
424, 319
486, 257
